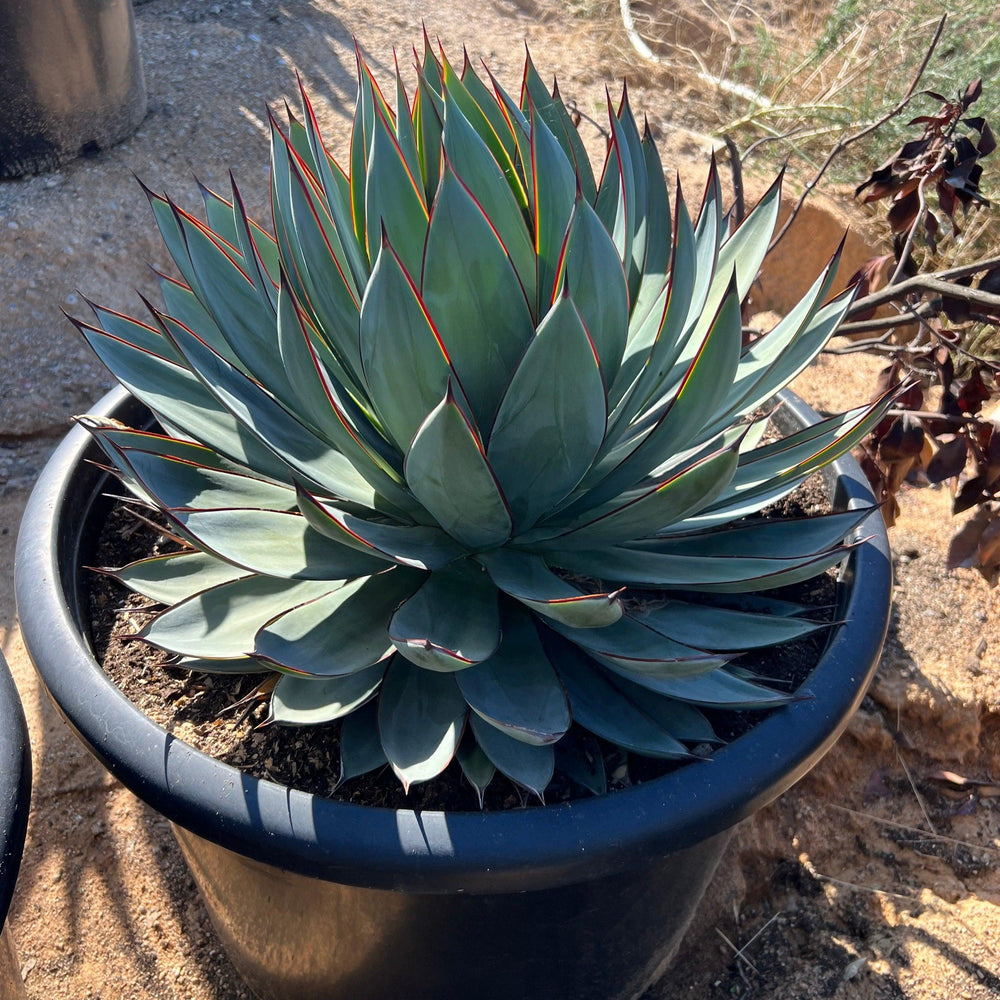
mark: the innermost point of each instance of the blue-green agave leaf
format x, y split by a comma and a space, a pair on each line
220, 623
649, 508
478, 769
516, 690
525, 577
743, 252
526, 764
238, 665
600, 707
499, 136
777, 537
340, 632
337, 188
579, 757
397, 337
447, 471
451, 622
553, 198
637, 220
312, 253
421, 716
467, 271
304, 701
591, 271
681, 720
173, 578
630, 644
360, 742
283, 432
488, 182
643, 564
552, 111
702, 389
219, 213
417, 545
657, 339
141, 335
182, 484
259, 252
721, 628
718, 689
658, 243
617, 203
394, 199
428, 123
551, 422
277, 543
180, 399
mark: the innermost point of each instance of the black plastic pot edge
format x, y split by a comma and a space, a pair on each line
428, 851
15, 786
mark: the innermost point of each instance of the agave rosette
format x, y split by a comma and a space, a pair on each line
463, 378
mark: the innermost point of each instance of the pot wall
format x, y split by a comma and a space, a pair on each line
298, 938
15, 799
70, 81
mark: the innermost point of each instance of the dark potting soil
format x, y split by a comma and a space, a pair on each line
225, 715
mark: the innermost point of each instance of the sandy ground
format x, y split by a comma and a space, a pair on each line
871, 879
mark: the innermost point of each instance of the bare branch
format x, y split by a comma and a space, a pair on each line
846, 141
736, 166
932, 283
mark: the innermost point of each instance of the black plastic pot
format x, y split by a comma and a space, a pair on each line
321, 899
15, 798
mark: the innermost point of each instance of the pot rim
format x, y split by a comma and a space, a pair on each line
15, 786
431, 851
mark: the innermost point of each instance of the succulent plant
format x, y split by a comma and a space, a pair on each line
425, 441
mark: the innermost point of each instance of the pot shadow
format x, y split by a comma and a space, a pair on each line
95, 863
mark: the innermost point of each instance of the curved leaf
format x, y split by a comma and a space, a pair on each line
528, 765
302, 701
467, 273
488, 179
406, 367
277, 543
478, 769
599, 706
174, 577
721, 628
447, 471
360, 743
631, 645
417, 545
552, 418
394, 199
220, 623
451, 622
525, 577
340, 632
516, 690
644, 566
590, 269
421, 716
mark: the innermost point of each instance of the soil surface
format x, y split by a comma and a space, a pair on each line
878, 876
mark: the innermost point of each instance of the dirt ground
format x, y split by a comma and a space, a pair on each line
874, 878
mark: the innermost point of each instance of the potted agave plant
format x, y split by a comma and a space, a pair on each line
470, 452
